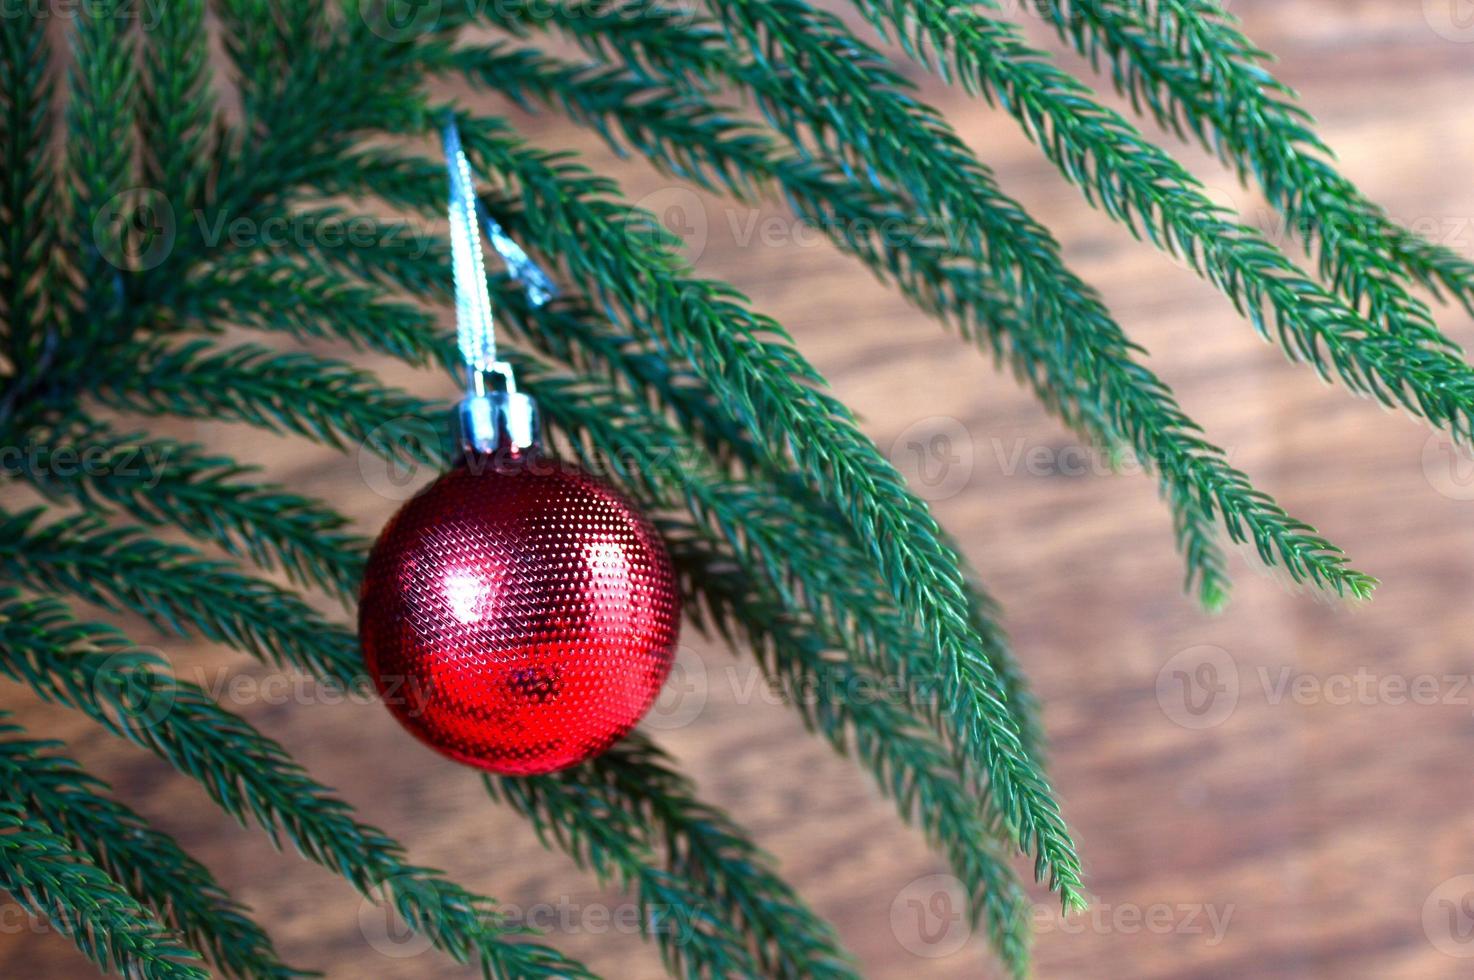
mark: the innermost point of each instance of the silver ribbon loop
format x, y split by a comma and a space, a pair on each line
492, 416
538, 285
474, 327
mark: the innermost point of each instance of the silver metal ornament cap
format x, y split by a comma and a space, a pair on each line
497, 418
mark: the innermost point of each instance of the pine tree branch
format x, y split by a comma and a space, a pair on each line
355, 80
52, 881
1068, 338
394, 254
331, 93
1145, 188
877, 636
570, 330
252, 42
174, 588
1011, 759
855, 712
631, 265
165, 483
703, 844
1187, 62
689, 137
178, 107
301, 393
1087, 347
27, 194
554, 405
102, 145
309, 94
638, 36
306, 301
813, 566
150, 865
264, 39
94, 669
285, 29
159, 581
694, 941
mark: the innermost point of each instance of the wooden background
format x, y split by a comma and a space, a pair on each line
1315, 825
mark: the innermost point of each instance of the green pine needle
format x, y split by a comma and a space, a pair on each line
1142, 186
28, 229
178, 106
908, 764
690, 137
1188, 64
150, 865
162, 483
49, 879
102, 142
702, 844
294, 392
96, 670
303, 300
694, 939
172, 586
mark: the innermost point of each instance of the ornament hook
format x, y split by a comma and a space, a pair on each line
492, 416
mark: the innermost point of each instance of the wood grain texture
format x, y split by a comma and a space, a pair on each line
1326, 817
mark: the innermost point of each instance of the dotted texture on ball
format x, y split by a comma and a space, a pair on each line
519, 615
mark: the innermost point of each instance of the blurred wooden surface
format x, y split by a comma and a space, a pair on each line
1315, 825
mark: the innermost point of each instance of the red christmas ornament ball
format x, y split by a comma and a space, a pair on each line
518, 614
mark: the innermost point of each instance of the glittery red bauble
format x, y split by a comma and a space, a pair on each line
518, 615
